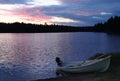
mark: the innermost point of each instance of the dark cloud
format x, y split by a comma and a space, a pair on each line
87, 12
12, 1
91, 10
104, 1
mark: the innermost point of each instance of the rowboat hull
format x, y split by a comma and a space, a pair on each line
100, 65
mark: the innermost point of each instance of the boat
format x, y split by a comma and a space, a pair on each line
96, 65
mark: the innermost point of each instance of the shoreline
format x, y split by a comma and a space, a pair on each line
112, 74
105, 76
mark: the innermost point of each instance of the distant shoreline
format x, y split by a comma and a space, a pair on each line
32, 28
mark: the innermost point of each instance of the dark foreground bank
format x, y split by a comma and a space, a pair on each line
112, 74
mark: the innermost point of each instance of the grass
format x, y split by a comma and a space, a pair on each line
115, 59
113, 72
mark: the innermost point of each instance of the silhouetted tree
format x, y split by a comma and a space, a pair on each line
112, 25
17, 27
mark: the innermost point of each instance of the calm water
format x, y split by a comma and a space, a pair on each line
31, 56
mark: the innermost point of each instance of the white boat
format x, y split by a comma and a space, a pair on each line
99, 65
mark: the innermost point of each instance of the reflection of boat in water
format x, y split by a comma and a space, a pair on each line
99, 65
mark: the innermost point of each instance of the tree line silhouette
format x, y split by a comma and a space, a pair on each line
34, 28
112, 25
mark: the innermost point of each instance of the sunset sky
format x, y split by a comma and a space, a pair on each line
67, 12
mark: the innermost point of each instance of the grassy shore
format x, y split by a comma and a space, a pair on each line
112, 74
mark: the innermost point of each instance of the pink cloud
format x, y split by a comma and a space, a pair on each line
3, 0
24, 15
37, 11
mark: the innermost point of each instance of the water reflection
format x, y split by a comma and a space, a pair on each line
28, 54
32, 56
113, 44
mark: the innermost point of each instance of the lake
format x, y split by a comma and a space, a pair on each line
30, 56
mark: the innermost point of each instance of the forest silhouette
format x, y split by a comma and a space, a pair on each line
34, 28
112, 25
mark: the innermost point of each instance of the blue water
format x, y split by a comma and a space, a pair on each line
31, 56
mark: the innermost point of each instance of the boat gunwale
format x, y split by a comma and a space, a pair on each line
84, 65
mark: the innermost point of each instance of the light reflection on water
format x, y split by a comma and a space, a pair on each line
23, 57
31, 56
